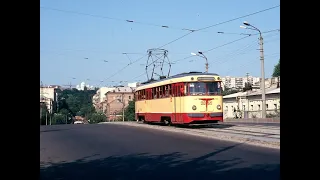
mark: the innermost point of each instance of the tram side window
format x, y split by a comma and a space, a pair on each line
161, 91
178, 90
186, 87
173, 91
158, 92
165, 91
169, 90
154, 94
143, 94
138, 95
182, 90
148, 91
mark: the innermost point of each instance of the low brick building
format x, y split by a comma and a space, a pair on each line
116, 101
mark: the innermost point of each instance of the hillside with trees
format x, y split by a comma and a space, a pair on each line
71, 103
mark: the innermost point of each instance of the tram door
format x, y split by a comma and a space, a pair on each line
178, 90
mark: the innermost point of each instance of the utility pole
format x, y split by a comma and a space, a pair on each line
263, 92
203, 56
248, 103
41, 94
46, 118
262, 82
123, 106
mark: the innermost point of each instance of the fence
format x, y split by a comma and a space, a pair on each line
273, 114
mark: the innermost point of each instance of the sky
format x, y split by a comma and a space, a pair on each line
84, 40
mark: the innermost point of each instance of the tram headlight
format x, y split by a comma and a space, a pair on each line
218, 107
194, 107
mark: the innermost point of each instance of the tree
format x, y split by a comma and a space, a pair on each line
228, 91
276, 70
129, 112
76, 102
58, 119
97, 118
44, 113
247, 86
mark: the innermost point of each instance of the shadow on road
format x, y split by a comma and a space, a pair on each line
52, 130
152, 167
64, 127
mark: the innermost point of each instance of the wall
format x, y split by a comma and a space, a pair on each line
49, 96
112, 105
254, 103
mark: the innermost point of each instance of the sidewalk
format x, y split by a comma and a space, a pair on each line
254, 120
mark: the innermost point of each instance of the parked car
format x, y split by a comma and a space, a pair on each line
78, 122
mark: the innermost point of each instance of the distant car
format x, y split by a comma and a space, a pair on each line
78, 122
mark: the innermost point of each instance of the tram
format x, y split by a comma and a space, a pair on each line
187, 98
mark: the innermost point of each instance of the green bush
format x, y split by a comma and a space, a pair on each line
97, 118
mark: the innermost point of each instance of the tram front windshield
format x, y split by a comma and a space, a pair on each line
205, 88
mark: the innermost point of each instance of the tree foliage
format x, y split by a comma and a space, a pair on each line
228, 91
129, 112
97, 118
247, 86
276, 70
75, 102
59, 119
43, 113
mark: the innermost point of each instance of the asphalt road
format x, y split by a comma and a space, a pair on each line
109, 151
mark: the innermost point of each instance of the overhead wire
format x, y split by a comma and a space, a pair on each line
115, 19
191, 31
222, 60
228, 43
250, 60
217, 48
197, 31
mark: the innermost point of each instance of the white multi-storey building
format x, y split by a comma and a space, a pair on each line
238, 82
48, 95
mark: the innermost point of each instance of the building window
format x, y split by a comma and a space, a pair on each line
227, 108
259, 107
244, 107
252, 107
275, 106
267, 106
129, 97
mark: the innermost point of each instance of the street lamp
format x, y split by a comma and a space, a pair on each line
262, 86
203, 56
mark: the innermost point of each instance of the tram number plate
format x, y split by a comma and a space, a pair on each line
204, 103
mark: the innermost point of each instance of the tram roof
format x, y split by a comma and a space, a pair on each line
178, 76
